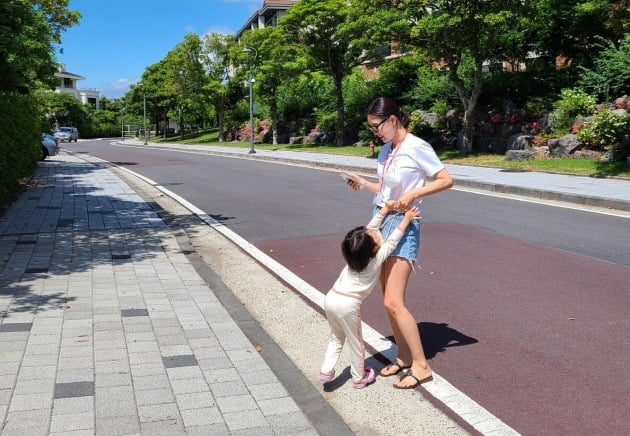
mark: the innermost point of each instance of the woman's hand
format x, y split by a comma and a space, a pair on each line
405, 201
354, 185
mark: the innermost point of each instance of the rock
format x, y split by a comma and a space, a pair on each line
563, 147
540, 152
620, 112
519, 155
430, 118
621, 102
519, 141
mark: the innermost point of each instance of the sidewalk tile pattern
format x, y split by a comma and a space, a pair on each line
106, 328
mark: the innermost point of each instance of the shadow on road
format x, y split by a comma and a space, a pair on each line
437, 337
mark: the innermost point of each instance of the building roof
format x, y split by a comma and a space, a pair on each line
269, 8
67, 75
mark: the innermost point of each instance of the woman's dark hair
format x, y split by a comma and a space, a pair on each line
358, 248
384, 107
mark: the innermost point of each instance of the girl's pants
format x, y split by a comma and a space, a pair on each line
344, 317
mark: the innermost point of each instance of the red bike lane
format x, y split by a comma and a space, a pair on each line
537, 336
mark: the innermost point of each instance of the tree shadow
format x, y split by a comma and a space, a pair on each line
67, 222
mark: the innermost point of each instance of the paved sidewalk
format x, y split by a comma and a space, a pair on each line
106, 327
612, 193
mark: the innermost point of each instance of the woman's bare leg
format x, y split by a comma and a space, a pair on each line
396, 273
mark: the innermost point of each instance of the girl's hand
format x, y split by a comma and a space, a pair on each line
413, 214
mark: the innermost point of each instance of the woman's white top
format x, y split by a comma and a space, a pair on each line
407, 167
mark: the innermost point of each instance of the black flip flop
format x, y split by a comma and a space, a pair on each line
400, 366
408, 373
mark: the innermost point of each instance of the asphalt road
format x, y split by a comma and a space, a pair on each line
522, 306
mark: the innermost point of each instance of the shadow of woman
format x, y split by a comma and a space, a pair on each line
437, 337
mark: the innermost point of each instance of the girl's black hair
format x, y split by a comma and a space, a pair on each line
384, 107
358, 248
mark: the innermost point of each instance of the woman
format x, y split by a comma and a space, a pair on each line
405, 164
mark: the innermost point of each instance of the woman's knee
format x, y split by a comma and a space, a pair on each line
393, 306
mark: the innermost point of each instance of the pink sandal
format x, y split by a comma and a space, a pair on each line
327, 377
368, 377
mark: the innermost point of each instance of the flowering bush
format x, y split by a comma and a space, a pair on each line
573, 103
495, 118
514, 119
535, 127
606, 132
576, 127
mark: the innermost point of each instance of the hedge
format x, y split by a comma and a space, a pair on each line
20, 141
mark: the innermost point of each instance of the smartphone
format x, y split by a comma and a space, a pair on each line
347, 177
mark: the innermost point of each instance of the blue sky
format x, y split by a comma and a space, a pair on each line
116, 40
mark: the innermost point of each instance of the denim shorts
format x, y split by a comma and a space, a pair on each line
410, 242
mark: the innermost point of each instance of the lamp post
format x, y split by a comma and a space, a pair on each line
122, 124
248, 49
144, 98
140, 85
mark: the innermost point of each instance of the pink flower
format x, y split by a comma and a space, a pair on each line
514, 119
495, 118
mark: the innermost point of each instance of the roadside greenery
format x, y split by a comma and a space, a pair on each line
587, 167
543, 68
19, 141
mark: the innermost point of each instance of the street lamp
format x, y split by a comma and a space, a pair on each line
144, 114
144, 98
248, 49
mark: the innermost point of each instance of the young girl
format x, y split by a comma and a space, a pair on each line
364, 251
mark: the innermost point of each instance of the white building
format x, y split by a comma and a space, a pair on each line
267, 16
68, 85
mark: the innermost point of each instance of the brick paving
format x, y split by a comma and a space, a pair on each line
106, 328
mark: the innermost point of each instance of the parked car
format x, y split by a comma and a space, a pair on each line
67, 134
50, 146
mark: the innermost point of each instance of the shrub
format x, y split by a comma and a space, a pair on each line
610, 77
421, 128
606, 133
20, 141
573, 103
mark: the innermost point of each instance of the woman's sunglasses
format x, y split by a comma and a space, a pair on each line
375, 128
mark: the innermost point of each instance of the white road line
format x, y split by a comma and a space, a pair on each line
461, 404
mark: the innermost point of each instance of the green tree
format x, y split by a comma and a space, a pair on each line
610, 76
62, 109
29, 31
573, 30
221, 88
277, 61
326, 31
449, 32
185, 80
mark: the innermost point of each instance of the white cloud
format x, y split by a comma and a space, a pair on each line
117, 88
220, 30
